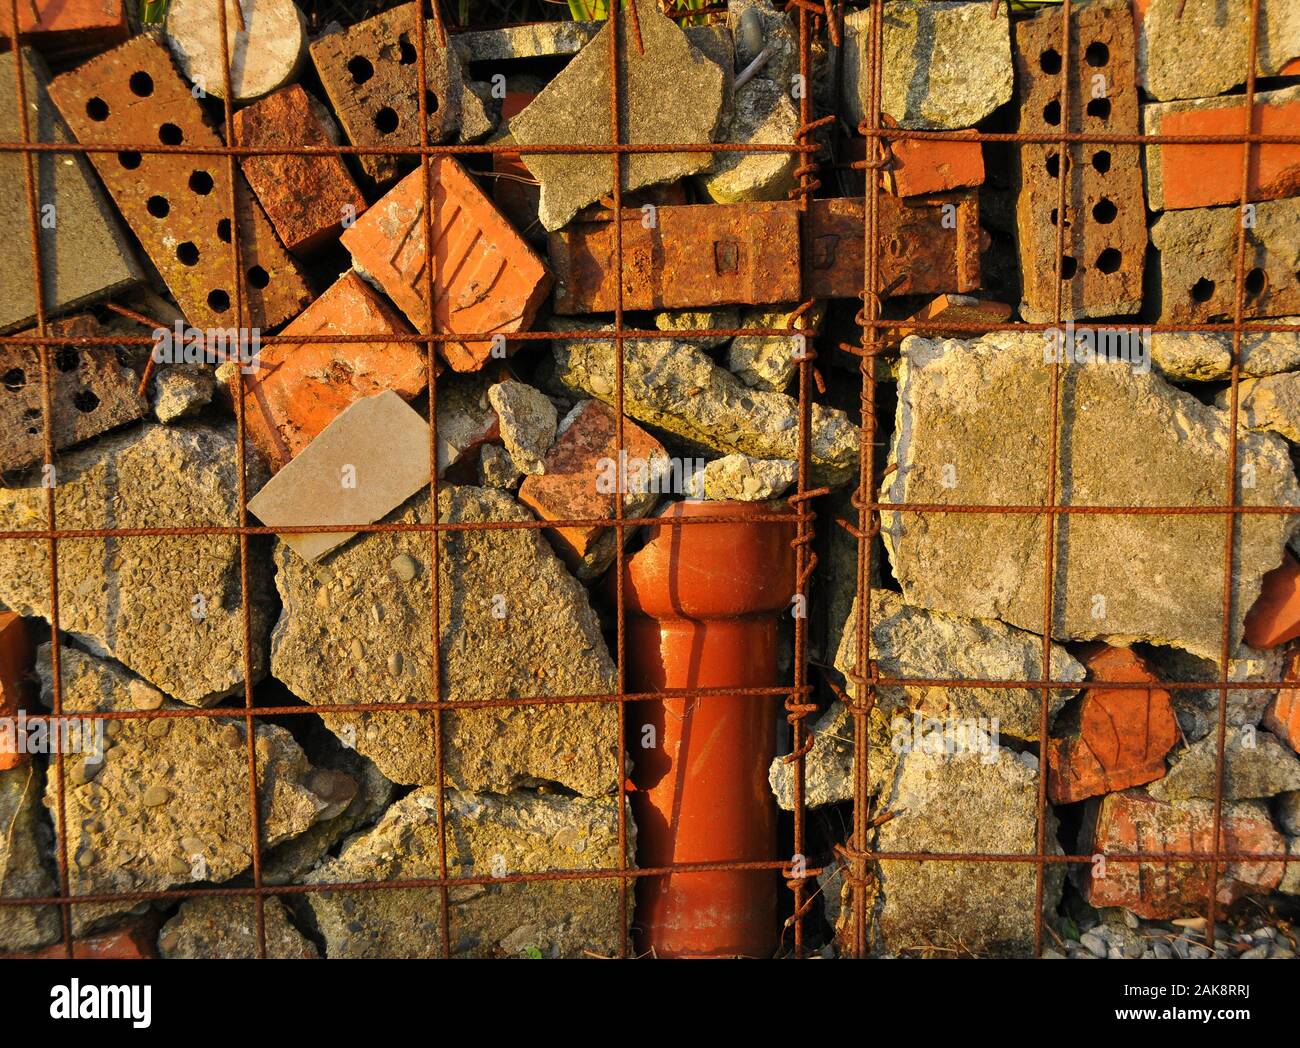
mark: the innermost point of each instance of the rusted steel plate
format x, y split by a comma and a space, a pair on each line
680, 257
178, 205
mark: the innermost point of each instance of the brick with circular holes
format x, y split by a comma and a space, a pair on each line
178, 204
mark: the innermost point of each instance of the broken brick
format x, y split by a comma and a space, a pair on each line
307, 198
929, 165
1105, 221
1205, 174
178, 204
1282, 717
16, 653
369, 70
581, 479
514, 189
932, 319
92, 391
299, 388
1111, 738
487, 280
67, 28
1132, 822
132, 943
1274, 618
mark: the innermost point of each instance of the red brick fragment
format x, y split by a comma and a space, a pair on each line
307, 198
133, 943
64, 28
929, 165
15, 660
1282, 717
1110, 739
486, 279
301, 387
1274, 618
1132, 822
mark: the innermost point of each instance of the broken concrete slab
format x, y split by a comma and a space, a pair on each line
1206, 356
166, 802
741, 478
486, 835
673, 385
23, 869
1198, 251
85, 256
535, 40
1199, 48
91, 392
1255, 764
266, 41
762, 113
166, 606
514, 625
225, 928
670, 93
970, 421
947, 65
365, 463
1270, 404
1198, 711
828, 766
771, 361
528, 420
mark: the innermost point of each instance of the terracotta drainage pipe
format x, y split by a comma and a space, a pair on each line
703, 603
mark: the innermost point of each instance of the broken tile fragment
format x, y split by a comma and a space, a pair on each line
366, 462
515, 625
969, 431
933, 165
307, 198
486, 279
225, 928
85, 256
528, 420
299, 388
745, 479
671, 93
266, 45
1274, 618
1282, 717
15, 662
92, 392
131, 942
166, 606
582, 476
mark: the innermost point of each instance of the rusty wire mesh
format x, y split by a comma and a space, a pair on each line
813, 17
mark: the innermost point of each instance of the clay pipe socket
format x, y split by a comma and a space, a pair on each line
703, 602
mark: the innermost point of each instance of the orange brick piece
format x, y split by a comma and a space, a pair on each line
62, 28
486, 279
306, 198
1111, 739
935, 165
1274, 618
178, 205
15, 659
301, 387
1282, 717
132, 943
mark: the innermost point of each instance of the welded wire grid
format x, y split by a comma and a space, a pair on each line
813, 17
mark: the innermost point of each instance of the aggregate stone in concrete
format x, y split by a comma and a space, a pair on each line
671, 384
528, 420
1271, 403
85, 256
168, 606
970, 430
670, 94
1206, 356
166, 802
266, 42
1255, 764
514, 624
947, 65
1201, 48
23, 870
92, 391
367, 462
725, 318
486, 835
225, 928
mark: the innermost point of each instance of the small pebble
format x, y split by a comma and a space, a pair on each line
84, 771
404, 567
1163, 950
177, 866
1256, 953
1094, 944
159, 728
395, 663
156, 796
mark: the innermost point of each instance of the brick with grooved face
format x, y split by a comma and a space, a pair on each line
486, 279
306, 198
178, 205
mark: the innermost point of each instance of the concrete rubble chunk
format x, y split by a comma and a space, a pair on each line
165, 802
1255, 764
168, 606
466, 419
1198, 711
497, 469
670, 94
266, 43
486, 835
537, 40
1201, 48
725, 319
771, 361
225, 927
970, 423
23, 871
86, 257
92, 391
528, 420
828, 767
947, 65
979, 798
514, 625
182, 391
367, 462
1270, 404
1206, 356
673, 385
745, 479
762, 113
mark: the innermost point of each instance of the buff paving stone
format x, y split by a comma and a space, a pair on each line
266, 45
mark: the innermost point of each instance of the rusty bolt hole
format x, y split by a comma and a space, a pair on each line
1056, 215
1068, 267
223, 230
158, 206
361, 69
1203, 290
1104, 211
258, 277
97, 109
406, 50
129, 159
1052, 112
141, 84
1054, 164
1050, 61
66, 358
170, 135
1097, 54
14, 379
386, 120
1109, 260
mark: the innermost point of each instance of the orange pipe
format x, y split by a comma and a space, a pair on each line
703, 601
